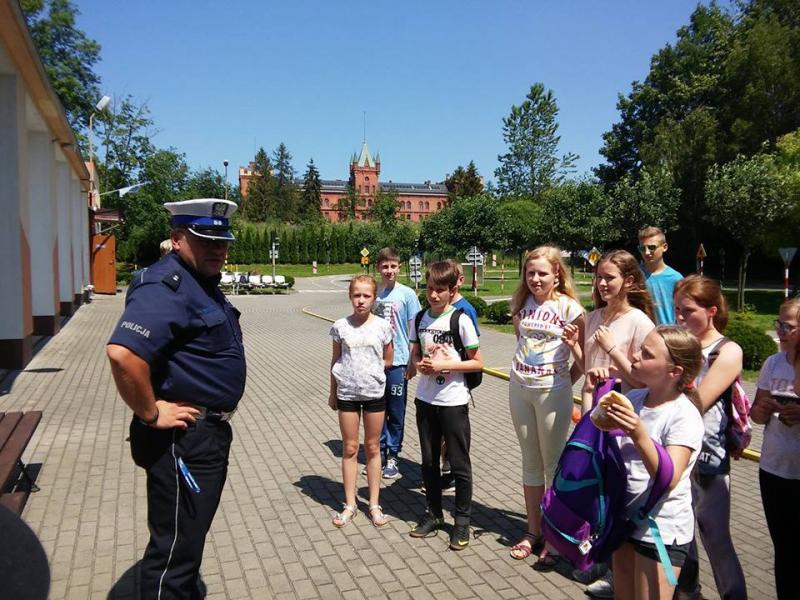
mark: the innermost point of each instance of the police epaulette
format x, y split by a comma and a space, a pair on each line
172, 280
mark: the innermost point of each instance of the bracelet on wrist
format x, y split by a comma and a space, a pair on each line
150, 422
610, 350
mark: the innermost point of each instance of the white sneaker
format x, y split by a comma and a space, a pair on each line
602, 588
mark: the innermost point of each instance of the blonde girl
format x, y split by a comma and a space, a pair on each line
702, 309
623, 316
540, 390
666, 411
362, 350
777, 406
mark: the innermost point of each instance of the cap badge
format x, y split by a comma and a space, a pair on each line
219, 209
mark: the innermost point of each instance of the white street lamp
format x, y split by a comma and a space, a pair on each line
99, 107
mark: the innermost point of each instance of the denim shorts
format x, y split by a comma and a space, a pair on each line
678, 553
367, 405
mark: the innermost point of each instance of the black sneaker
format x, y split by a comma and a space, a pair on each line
459, 539
427, 525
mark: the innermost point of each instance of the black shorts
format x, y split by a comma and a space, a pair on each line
678, 553
367, 405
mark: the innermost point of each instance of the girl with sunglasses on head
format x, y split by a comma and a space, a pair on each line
777, 406
702, 309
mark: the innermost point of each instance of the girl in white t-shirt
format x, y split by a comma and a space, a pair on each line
702, 309
616, 328
540, 391
362, 350
665, 412
777, 406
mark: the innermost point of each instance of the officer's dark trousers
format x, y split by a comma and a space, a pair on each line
450, 423
179, 518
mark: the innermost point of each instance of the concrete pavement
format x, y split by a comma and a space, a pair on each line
272, 537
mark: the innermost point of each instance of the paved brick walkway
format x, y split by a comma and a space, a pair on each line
272, 537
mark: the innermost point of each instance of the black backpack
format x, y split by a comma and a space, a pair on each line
472, 379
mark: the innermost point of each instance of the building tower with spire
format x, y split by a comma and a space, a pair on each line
364, 174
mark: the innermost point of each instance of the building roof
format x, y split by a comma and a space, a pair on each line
365, 159
405, 189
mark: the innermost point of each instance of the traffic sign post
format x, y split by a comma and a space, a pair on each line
414, 273
593, 256
476, 258
701, 257
787, 254
365, 259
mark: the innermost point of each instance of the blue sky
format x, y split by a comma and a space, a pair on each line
435, 78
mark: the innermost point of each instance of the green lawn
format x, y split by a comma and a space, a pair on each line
298, 270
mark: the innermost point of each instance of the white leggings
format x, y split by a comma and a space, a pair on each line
541, 418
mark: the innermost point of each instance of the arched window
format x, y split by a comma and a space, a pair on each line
327, 204
438, 206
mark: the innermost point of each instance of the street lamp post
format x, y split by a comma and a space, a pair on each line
100, 107
225, 164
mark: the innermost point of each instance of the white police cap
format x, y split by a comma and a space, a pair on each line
207, 218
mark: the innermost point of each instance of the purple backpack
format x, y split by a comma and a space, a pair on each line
583, 511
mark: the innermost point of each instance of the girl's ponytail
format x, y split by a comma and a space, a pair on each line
685, 351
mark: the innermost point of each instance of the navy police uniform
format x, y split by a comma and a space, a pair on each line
188, 332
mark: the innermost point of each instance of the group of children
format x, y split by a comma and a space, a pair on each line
677, 376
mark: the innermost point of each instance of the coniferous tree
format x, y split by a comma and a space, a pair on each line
257, 206
285, 188
464, 183
310, 206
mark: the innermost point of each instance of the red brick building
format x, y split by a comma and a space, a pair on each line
416, 200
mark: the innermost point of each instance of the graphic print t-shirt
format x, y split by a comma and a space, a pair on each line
398, 306
436, 341
542, 359
359, 372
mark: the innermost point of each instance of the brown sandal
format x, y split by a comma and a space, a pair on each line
521, 551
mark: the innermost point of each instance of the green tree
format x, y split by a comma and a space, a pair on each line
530, 131
521, 226
384, 209
652, 200
464, 182
146, 221
577, 215
747, 198
285, 188
206, 183
126, 130
347, 204
68, 55
259, 203
311, 199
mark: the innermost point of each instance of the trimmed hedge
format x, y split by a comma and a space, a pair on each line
499, 312
479, 304
756, 345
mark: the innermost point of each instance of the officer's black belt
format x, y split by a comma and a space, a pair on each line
213, 415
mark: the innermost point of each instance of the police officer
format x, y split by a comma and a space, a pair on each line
178, 362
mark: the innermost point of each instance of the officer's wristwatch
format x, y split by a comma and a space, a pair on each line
150, 422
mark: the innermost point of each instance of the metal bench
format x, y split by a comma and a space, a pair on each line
16, 483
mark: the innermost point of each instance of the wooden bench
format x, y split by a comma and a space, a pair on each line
16, 484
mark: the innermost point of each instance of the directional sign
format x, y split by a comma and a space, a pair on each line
415, 276
273, 254
787, 254
594, 256
474, 254
364, 253
365, 260
415, 262
701, 252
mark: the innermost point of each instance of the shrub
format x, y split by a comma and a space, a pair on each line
479, 304
289, 281
756, 345
423, 300
499, 312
